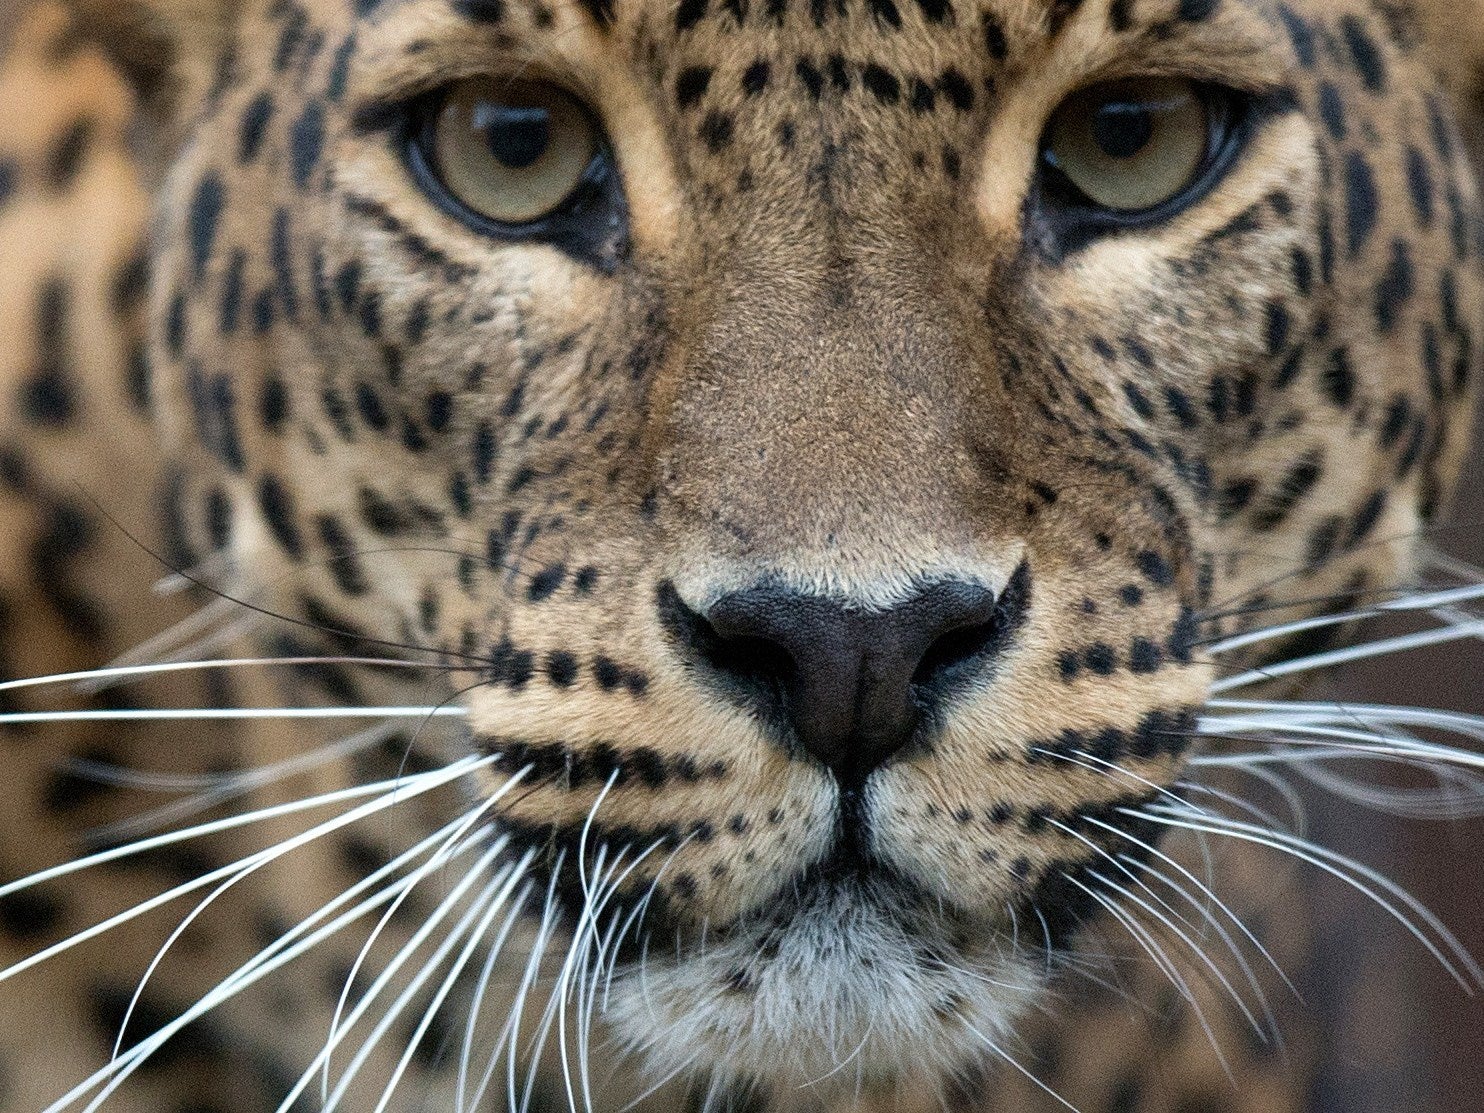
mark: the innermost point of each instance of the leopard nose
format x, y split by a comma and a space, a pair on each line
854, 682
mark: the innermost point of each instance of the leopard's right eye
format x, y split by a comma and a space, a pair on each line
512, 152
519, 159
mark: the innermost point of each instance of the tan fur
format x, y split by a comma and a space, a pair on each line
840, 363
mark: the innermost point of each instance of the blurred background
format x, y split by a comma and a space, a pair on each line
1406, 1039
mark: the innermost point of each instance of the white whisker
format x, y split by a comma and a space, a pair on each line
399, 791
1316, 661
172, 714
1332, 862
267, 961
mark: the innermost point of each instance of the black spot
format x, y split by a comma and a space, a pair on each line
1365, 52
283, 267
340, 69
1332, 110
691, 85
7, 179
481, 11
1361, 201
716, 131
1196, 11
994, 37
955, 86
1127, 1096
368, 404
66, 158
839, 73
755, 78
561, 668
1296, 482
343, 565
886, 12
812, 79
1144, 656
1277, 326
306, 142
439, 407
131, 283
204, 219
1154, 568
1338, 378
936, 11
1396, 287
1366, 517
881, 83
689, 14
110, 1004
48, 397
1398, 415
545, 582
1300, 34
218, 518
1100, 658
232, 292
277, 507
254, 125
29, 914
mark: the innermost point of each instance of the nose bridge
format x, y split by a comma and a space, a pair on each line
813, 377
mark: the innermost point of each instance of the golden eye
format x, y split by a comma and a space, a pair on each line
1131, 145
512, 151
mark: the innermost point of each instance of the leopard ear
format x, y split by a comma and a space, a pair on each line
169, 49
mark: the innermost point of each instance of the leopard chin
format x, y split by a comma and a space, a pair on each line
842, 982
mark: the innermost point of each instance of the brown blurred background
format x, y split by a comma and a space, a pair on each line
1407, 1039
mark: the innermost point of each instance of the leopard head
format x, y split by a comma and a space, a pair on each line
819, 438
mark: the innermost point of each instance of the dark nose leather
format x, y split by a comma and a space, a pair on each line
855, 682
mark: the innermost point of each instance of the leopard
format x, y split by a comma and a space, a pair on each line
696, 555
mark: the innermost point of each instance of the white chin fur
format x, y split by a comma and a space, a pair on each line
850, 987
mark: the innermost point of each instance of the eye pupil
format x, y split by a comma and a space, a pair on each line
1122, 130
517, 136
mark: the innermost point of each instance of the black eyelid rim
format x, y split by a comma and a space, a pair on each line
1073, 221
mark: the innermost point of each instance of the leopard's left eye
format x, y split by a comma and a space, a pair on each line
1136, 147
520, 160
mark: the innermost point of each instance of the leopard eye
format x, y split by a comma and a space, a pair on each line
511, 152
1134, 145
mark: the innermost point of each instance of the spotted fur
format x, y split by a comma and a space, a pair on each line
835, 349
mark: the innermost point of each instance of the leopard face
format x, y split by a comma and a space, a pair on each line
822, 507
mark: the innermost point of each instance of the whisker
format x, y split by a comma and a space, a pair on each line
1332, 862
451, 939
476, 940
168, 714
1145, 938
1399, 644
384, 978
482, 985
1192, 944
461, 828
215, 788
1408, 602
267, 961
100, 678
1005, 1055
398, 794
1210, 893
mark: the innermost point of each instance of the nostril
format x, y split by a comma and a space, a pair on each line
953, 652
961, 652
755, 663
